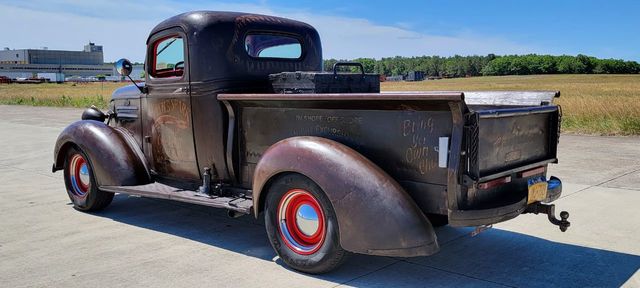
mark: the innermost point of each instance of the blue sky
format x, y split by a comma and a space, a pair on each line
349, 29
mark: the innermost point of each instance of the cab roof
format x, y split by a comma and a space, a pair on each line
216, 44
197, 21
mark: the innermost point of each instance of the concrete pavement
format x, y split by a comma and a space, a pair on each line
139, 242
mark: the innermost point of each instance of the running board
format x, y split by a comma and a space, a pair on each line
161, 191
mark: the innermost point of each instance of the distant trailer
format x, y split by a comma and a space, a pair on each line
414, 76
78, 79
113, 78
30, 80
395, 78
51, 77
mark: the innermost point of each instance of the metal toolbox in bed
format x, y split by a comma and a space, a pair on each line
326, 82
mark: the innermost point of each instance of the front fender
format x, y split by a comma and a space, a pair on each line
375, 215
114, 156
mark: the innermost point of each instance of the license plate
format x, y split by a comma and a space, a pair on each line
537, 190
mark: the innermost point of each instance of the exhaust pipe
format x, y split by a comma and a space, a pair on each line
234, 214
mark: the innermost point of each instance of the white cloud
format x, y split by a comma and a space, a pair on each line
122, 27
352, 38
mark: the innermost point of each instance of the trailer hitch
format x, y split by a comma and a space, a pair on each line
549, 209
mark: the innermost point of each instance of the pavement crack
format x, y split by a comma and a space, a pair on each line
602, 183
25, 170
617, 177
574, 193
459, 274
368, 273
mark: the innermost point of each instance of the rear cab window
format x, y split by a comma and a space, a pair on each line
168, 58
263, 45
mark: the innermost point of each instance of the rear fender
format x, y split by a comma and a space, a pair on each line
375, 215
114, 155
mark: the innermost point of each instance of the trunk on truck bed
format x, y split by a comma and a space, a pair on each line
507, 133
499, 140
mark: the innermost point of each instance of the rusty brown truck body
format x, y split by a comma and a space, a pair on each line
333, 173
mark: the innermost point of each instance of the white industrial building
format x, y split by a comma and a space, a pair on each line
26, 63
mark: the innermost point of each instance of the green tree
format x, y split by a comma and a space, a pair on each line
368, 64
463, 66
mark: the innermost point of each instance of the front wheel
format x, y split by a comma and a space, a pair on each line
81, 183
302, 226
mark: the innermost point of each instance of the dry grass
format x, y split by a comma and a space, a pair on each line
591, 104
67, 94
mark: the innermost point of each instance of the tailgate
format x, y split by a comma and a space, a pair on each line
499, 140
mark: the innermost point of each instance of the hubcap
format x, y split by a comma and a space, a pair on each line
301, 222
84, 174
79, 175
307, 220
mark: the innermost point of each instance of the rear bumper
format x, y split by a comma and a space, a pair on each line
503, 213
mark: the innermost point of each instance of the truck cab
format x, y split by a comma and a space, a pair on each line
178, 121
335, 171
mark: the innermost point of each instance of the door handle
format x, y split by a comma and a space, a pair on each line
181, 90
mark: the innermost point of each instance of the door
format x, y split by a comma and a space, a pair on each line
168, 132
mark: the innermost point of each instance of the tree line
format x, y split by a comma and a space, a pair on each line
493, 65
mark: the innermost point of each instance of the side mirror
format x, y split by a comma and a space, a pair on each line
124, 67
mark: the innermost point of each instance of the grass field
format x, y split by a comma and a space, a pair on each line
592, 104
64, 95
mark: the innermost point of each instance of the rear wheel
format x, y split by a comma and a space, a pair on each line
302, 226
81, 185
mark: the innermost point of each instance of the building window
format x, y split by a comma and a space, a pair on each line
17, 55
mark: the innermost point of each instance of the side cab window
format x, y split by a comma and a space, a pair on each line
167, 57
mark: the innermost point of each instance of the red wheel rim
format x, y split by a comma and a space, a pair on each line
79, 175
301, 222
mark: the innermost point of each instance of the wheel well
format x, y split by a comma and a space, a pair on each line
62, 153
266, 187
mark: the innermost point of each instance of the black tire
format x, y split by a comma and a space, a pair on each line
328, 253
438, 220
93, 198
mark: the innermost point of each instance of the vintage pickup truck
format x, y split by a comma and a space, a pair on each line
333, 173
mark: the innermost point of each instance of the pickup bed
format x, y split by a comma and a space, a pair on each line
333, 173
